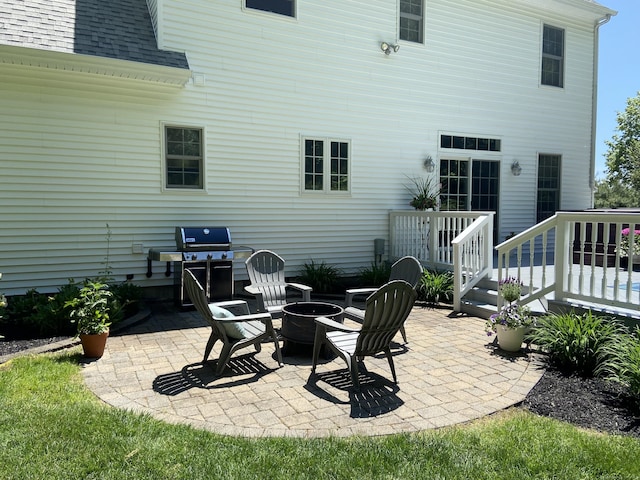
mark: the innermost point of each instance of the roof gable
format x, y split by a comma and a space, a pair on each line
115, 29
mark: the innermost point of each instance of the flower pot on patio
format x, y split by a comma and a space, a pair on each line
510, 339
93, 345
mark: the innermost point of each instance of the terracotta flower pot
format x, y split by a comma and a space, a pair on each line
510, 339
93, 345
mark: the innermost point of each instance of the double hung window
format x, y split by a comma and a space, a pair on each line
281, 7
412, 20
552, 56
183, 157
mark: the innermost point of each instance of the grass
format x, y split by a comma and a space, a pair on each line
52, 427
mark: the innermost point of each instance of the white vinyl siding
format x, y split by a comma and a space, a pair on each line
80, 151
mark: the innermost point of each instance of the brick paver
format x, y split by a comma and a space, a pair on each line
450, 372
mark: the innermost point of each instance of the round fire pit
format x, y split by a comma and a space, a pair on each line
298, 325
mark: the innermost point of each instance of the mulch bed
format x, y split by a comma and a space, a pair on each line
585, 402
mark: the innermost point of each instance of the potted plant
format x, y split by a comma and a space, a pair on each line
630, 255
513, 321
90, 312
424, 193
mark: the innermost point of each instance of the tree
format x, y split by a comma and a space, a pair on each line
612, 193
623, 154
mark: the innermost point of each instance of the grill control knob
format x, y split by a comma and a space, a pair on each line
209, 257
194, 256
224, 254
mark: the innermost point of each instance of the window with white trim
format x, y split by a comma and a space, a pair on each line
552, 56
326, 165
548, 200
411, 20
184, 160
281, 7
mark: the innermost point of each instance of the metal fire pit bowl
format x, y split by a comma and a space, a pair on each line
298, 325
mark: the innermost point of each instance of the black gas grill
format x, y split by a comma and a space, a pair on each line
206, 252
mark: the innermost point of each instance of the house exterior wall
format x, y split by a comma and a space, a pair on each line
81, 151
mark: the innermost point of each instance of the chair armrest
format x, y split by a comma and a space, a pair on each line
262, 317
305, 289
333, 325
237, 307
352, 292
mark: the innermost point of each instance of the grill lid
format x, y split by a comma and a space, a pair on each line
203, 238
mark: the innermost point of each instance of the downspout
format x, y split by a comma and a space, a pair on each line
594, 104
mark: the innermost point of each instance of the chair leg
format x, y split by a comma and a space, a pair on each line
352, 363
224, 358
213, 338
391, 365
317, 345
277, 345
404, 334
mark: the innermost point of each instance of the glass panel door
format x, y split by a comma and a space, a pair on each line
485, 189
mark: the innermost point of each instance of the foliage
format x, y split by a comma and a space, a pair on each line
321, 277
376, 275
36, 315
125, 300
620, 361
623, 154
624, 247
613, 193
90, 309
424, 191
52, 427
576, 343
511, 315
435, 286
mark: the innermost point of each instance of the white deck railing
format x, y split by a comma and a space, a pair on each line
575, 256
457, 241
473, 257
428, 236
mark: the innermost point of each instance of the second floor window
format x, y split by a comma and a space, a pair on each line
282, 7
411, 20
552, 56
325, 165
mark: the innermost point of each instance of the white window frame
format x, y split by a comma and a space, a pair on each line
269, 12
409, 16
165, 157
561, 59
326, 162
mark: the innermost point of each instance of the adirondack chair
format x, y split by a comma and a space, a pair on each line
385, 312
234, 331
268, 285
407, 268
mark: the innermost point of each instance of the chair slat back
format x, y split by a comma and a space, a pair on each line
408, 269
266, 272
385, 312
199, 299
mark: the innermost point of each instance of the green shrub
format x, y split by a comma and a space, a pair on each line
435, 286
620, 361
321, 277
376, 275
38, 315
575, 343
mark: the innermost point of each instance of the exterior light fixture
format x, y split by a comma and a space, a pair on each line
516, 169
387, 48
429, 166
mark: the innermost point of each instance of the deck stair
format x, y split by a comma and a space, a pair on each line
482, 300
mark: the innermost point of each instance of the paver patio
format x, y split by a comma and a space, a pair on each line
450, 372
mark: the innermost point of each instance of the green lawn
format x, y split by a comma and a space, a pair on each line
52, 427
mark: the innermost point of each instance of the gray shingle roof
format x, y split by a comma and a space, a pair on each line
119, 29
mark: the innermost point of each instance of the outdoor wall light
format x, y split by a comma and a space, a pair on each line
429, 166
516, 169
387, 48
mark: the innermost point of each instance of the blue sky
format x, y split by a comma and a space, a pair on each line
619, 70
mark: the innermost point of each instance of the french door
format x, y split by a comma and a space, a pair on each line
470, 184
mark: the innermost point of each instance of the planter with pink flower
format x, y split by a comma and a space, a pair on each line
629, 248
